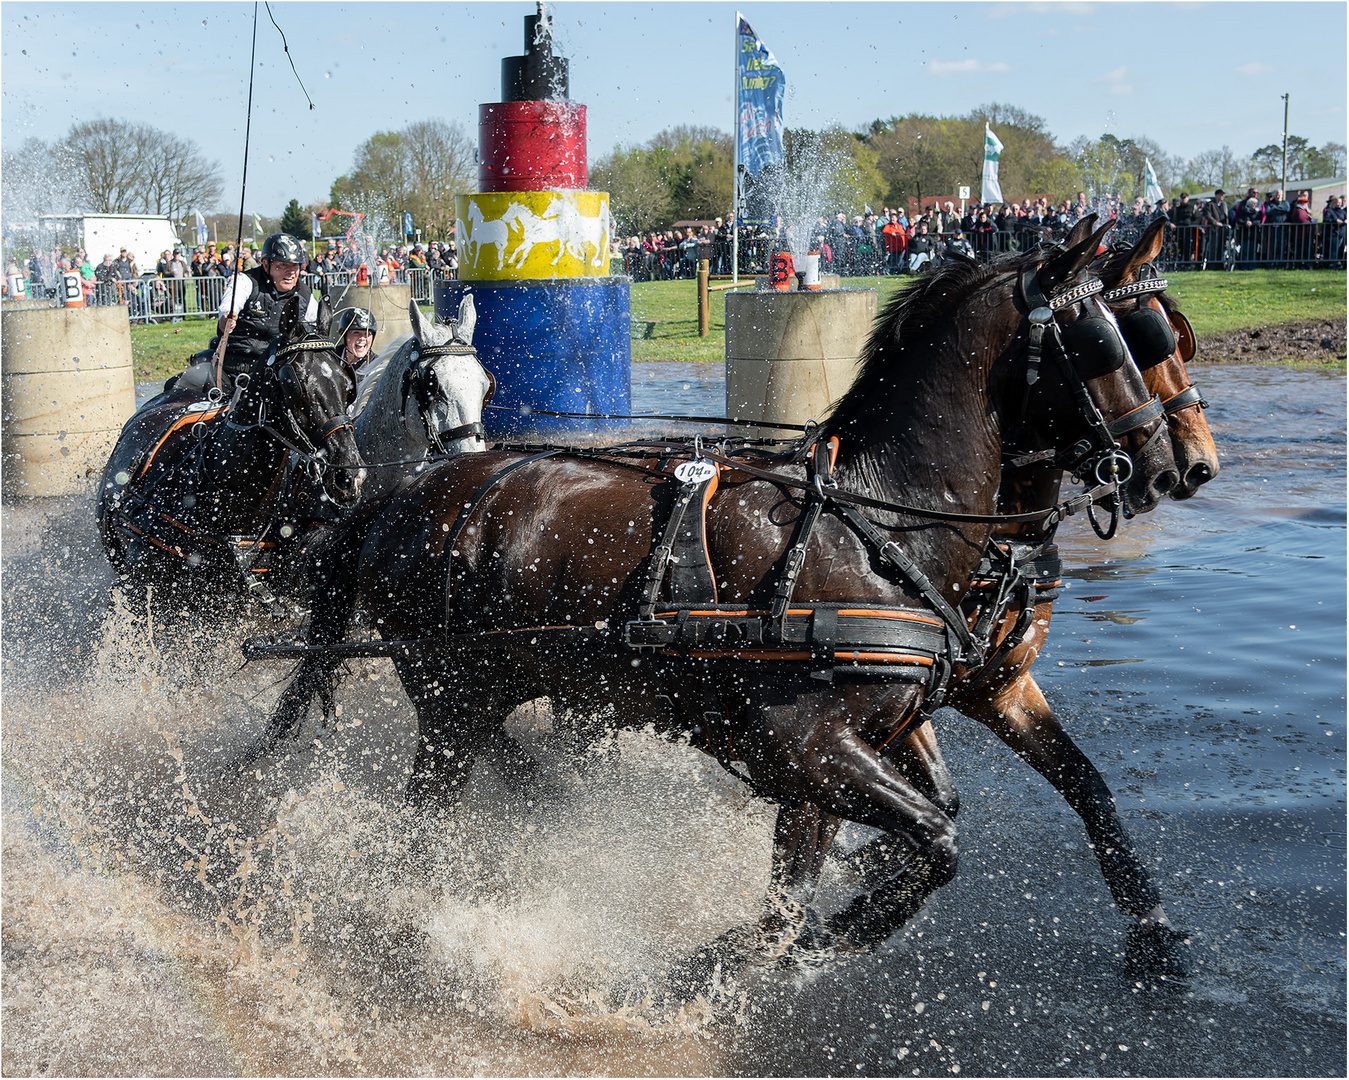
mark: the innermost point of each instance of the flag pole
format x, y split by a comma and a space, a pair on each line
735, 168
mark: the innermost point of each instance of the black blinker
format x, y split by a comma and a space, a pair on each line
1149, 336
1094, 347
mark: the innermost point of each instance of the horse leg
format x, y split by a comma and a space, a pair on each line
919, 759
1021, 717
457, 722
813, 749
814, 760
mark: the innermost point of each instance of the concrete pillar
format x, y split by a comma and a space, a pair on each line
66, 389
388, 303
790, 355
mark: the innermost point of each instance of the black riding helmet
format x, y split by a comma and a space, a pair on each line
283, 248
353, 318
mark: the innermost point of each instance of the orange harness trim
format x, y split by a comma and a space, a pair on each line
181, 422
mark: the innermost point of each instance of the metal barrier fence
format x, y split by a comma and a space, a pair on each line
151, 299
1286, 246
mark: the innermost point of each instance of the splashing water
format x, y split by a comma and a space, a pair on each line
167, 912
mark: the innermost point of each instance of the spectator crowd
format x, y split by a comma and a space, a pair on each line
1251, 232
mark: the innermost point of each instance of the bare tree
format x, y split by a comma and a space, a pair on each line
178, 177
107, 159
440, 164
124, 168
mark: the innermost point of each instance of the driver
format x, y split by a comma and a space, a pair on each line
354, 334
250, 313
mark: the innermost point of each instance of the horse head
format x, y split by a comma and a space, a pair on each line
445, 387
313, 390
1099, 398
1162, 343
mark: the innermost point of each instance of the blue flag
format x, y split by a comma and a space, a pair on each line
317, 228
407, 223
759, 105
202, 234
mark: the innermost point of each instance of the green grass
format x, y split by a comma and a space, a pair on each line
1215, 302
164, 349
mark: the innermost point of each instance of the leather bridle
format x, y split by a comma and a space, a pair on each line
1099, 456
419, 381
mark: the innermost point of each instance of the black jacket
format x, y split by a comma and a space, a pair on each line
258, 322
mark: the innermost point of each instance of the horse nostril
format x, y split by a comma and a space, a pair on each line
1198, 473
1166, 481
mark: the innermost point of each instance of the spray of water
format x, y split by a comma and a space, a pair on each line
168, 912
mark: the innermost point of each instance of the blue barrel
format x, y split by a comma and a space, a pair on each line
563, 346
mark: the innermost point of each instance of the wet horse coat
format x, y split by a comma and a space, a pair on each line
190, 491
557, 550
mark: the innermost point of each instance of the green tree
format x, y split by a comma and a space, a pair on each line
637, 180
419, 169
296, 221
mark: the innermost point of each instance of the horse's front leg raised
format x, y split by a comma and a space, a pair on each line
1021, 717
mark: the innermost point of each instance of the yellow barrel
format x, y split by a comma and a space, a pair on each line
791, 355
532, 235
388, 303
66, 389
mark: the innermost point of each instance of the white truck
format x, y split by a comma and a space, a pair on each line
143, 236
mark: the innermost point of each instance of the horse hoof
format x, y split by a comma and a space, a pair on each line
1158, 953
710, 971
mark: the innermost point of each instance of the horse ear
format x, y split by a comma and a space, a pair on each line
291, 325
421, 326
1149, 246
1080, 231
468, 319
323, 321
1072, 262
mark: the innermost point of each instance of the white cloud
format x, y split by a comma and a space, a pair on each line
1254, 68
965, 67
1042, 7
1118, 81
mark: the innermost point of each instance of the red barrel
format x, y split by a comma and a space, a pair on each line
531, 146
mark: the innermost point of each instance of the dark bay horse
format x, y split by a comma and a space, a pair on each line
800, 669
188, 501
1002, 693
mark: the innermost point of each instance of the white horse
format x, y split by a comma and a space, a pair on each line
480, 233
424, 397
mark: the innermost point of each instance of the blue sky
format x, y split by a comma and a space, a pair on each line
1191, 76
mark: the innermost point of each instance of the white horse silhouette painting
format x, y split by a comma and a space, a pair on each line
480, 233
534, 230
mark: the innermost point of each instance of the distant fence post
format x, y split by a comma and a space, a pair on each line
704, 300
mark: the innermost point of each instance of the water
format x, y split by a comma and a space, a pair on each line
164, 915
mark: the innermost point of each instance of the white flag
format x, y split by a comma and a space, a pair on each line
1152, 191
202, 234
991, 192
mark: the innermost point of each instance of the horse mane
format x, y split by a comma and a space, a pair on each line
912, 309
375, 385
